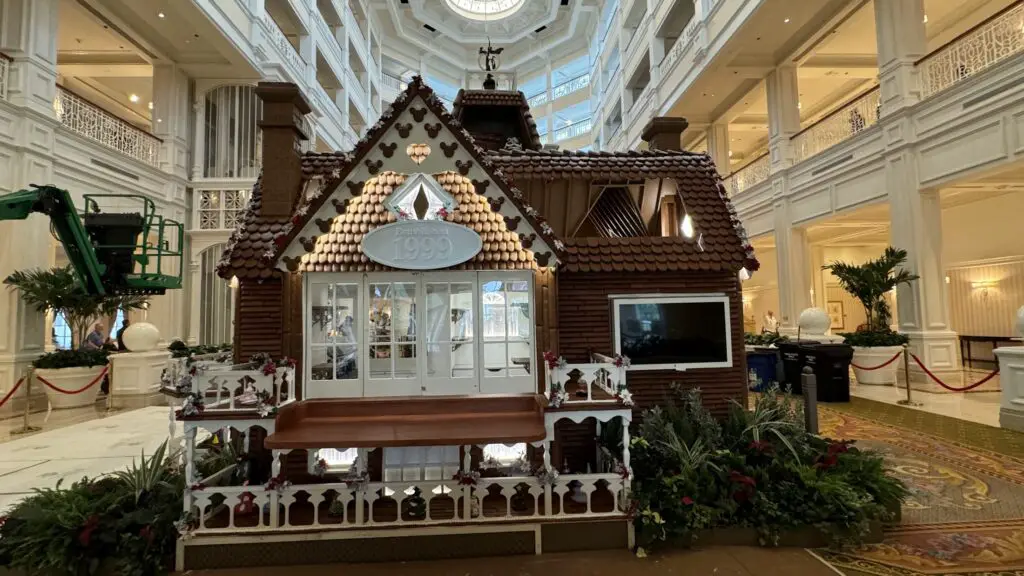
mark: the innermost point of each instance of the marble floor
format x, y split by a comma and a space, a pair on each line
980, 407
89, 442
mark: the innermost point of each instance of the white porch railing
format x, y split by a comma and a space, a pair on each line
393, 82
753, 173
842, 124
5, 70
578, 128
287, 51
239, 387
981, 47
342, 506
86, 119
600, 381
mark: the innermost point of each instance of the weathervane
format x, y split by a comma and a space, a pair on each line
489, 62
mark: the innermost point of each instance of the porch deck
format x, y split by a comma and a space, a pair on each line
409, 421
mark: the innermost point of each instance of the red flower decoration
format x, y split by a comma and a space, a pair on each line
687, 501
761, 446
90, 526
279, 240
737, 478
296, 220
146, 532
269, 369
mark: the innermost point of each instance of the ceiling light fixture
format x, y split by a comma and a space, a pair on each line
150, 106
786, 21
133, 98
925, 18
161, 15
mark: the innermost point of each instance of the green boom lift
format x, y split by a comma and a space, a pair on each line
130, 252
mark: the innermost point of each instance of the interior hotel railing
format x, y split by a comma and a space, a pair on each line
89, 120
5, 69
994, 40
563, 89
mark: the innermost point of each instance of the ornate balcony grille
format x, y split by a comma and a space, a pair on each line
393, 82
842, 124
221, 209
86, 119
753, 173
578, 128
569, 86
5, 69
980, 48
537, 100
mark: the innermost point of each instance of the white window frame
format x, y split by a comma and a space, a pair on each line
364, 386
617, 300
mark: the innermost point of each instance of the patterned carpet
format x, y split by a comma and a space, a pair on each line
965, 514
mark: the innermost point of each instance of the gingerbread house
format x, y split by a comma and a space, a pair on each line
474, 321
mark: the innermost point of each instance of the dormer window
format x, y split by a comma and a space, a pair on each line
420, 197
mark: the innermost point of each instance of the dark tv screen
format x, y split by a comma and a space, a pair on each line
674, 333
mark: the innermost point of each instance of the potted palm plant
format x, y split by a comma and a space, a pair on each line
874, 342
59, 290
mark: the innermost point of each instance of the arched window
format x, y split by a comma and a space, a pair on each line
61, 332
231, 136
216, 300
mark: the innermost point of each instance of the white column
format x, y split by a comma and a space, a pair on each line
195, 300
793, 268
900, 30
549, 108
28, 34
1011, 381
718, 146
170, 118
923, 306
783, 114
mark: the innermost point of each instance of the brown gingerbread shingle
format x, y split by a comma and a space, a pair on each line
650, 254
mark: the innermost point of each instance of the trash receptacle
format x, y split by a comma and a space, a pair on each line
831, 366
794, 358
763, 364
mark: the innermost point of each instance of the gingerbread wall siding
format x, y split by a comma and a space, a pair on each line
585, 326
259, 318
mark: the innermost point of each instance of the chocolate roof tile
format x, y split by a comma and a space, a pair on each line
650, 254
339, 250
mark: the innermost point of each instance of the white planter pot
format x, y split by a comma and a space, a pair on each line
71, 379
874, 356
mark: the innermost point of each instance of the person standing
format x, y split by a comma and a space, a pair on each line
771, 323
120, 336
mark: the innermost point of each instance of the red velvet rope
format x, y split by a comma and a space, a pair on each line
79, 391
889, 361
946, 386
11, 393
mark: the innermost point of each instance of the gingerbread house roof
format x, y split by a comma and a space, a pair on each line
486, 102
652, 254
261, 243
339, 250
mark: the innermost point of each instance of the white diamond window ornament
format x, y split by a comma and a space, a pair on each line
420, 197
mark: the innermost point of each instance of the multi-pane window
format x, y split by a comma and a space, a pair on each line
221, 209
61, 332
449, 330
392, 325
506, 328
334, 329
231, 137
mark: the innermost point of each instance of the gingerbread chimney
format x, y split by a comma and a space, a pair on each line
664, 133
281, 127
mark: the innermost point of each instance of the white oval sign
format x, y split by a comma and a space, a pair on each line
421, 244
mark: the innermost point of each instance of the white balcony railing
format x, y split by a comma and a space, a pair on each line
753, 173
842, 124
5, 70
981, 47
578, 128
569, 86
238, 388
221, 209
600, 382
393, 82
356, 505
289, 55
86, 119
538, 99
673, 53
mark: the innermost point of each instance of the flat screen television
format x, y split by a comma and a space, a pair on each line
665, 333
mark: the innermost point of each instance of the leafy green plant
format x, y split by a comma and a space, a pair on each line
869, 338
764, 339
759, 468
71, 359
871, 281
59, 289
146, 474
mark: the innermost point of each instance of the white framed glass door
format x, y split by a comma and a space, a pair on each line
333, 366
392, 326
449, 334
506, 318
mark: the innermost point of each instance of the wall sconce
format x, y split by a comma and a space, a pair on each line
983, 284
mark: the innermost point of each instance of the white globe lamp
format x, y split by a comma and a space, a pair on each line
141, 337
814, 322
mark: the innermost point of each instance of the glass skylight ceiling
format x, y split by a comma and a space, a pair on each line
485, 9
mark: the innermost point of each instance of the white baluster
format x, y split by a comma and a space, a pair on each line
190, 456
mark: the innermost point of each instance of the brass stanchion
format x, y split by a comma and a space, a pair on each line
906, 377
27, 427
